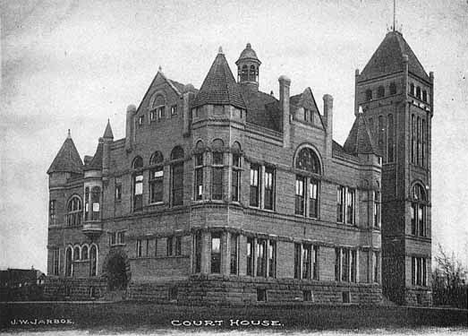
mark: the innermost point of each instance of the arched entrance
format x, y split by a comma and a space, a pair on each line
117, 270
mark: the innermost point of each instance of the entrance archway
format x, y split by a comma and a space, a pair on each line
117, 270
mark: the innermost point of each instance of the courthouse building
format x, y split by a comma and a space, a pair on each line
226, 194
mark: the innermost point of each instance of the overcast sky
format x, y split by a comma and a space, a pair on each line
70, 64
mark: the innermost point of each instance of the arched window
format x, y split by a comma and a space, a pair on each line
307, 187
244, 73
76, 253
418, 92
95, 203
307, 160
86, 203
424, 96
68, 261
156, 181
252, 73
368, 94
74, 211
158, 108
198, 164
418, 210
137, 163
177, 176
236, 171
380, 92
392, 88
217, 166
412, 89
84, 252
93, 260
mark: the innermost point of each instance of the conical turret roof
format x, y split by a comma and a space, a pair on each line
389, 58
108, 131
67, 159
248, 54
219, 86
96, 161
360, 140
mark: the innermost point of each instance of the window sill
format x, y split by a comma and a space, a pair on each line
117, 245
156, 203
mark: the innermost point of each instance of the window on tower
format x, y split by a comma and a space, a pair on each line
95, 203
418, 92
177, 175
380, 92
74, 211
418, 211
368, 94
236, 173
393, 89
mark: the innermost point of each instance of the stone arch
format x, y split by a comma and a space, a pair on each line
116, 269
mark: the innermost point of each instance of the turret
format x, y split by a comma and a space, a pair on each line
248, 66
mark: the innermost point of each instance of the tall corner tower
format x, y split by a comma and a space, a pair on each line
396, 97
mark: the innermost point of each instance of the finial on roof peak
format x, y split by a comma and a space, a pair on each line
160, 69
249, 45
220, 50
69, 134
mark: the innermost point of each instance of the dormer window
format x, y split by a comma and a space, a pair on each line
141, 120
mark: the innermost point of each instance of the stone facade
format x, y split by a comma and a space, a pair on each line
223, 195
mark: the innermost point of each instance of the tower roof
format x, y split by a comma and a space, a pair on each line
360, 140
248, 54
67, 159
108, 131
389, 58
219, 86
96, 161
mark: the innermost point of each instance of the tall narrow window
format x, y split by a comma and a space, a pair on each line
424, 144
139, 248
306, 261
350, 205
250, 256
236, 177
198, 251
261, 257
376, 266
418, 92
413, 271
315, 269
118, 189
413, 138
170, 246
55, 261
381, 133
299, 199
368, 94
418, 211
376, 209
233, 242
269, 188
345, 265
138, 191
199, 176
272, 258
418, 140
86, 204
390, 140
412, 89
95, 203
353, 270
254, 185
177, 176
393, 88
216, 252
84, 253
297, 261
340, 203
217, 185
52, 212
424, 96
173, 110
76, 253
313, 198
93, 261
337, 264
156, 184
380, 92
69, 262
178, 245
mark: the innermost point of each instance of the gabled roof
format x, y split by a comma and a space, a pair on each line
306, 100
67, 159
96, 161
388, 58
219, 86
108, 131
360, 140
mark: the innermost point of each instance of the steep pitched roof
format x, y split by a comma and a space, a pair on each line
67, 159
262, 108
108, 131
96, 161
360, 140
388, 58
219, 86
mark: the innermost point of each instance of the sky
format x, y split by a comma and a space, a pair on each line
71, 64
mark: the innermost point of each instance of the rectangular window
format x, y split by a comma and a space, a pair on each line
345, 265
52, 212
217, 192
161, 112
350, 206
153, 115
138, 248
390, 154
353, 275
421, 226
299, 199
313, 198
297, 261
178, 246
173, 110
169, 246
250, 256
216, 253
340, 203
413, 271
236, 177
315, 266
376, 266
337, 264
141, 120
138, 192
272, 258
376, 209
306, 261
156, 184
147, 249
198, 176
177, 183
261, 257
413, 211
269, 188
198, 252
112, 238
234, 252
118, 191
55, 261
254, 185
155, 247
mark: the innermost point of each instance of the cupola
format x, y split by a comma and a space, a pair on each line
248, 66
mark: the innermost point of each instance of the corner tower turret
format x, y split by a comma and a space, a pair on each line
248, 66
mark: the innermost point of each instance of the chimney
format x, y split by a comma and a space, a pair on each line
328, 116
131, 110
187, 96
356, 100
284, 84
